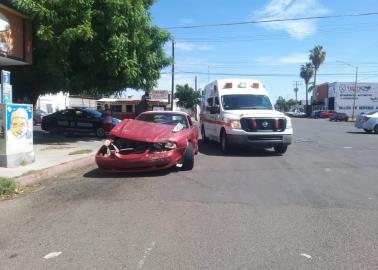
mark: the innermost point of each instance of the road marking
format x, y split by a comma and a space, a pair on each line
52, 255
327, 169
146, 252
306, 255
347, 147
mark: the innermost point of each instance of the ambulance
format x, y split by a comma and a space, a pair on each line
238, 112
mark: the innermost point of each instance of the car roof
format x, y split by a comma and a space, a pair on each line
165, 112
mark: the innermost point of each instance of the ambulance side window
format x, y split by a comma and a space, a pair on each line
209, 103
216, 101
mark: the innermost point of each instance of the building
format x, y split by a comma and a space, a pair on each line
339, 96
15, 37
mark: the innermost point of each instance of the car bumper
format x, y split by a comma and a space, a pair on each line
259, 139
139, 162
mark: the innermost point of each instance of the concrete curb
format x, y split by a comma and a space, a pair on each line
52, 171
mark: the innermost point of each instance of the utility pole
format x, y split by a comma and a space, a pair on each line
208, 74
195, 84
354, 94
173, 74
296, 89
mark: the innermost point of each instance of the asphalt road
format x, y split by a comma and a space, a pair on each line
314, 208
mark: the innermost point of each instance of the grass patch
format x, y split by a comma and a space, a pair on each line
80, 152
7, 186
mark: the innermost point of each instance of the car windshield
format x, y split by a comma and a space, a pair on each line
246, 102
163, 118
94, 113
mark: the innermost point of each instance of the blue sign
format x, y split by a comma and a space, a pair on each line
5, 77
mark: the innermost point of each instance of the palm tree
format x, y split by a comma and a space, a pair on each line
317, 57
306, 73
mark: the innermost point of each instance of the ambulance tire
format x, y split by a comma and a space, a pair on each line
203, 135
225, 146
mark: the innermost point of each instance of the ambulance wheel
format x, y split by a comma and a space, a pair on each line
203, 135
188, 158
225, 147
280, 149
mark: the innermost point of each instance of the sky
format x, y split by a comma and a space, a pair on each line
269, 52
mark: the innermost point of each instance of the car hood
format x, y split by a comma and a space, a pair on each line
142, 131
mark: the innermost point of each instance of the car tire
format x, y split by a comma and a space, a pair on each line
368, 131
280, 149
100, 132
188, 158
203, 135
376, 129
225, 146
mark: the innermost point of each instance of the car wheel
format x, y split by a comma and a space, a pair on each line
376, 129
100, 132
188, 158
368, 131
280, 149
225, 147
203, 135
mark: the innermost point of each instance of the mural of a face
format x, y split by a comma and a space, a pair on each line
19, 123
6, 42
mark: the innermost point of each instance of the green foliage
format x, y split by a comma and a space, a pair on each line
285, 105
90, 47
7, 186
317, 57
187, 96
306, 73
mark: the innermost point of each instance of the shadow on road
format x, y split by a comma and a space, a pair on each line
97, 173
43, 137
213, 149
361, 132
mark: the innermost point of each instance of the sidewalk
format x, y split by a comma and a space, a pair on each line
53, 150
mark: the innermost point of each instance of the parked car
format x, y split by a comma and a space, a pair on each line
326, 114
316, 114
339, 116
296, 113
367, 122
76, 121
154, 140
38, 115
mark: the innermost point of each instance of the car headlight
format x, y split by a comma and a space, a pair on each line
288, 123
170, 145
108, 142
235, 124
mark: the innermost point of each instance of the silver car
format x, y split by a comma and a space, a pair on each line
367, 122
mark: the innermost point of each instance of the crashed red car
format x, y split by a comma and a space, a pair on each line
153, 141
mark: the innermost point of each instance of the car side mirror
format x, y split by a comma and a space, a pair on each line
215, 109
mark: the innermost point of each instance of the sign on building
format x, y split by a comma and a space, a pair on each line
159, 95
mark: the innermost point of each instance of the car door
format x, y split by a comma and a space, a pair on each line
85, 121
65, 120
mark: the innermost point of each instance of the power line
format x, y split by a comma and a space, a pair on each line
272, 20
262, 74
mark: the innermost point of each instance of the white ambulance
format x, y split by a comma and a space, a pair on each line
238, 112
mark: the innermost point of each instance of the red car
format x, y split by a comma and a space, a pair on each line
326, 114
153, 141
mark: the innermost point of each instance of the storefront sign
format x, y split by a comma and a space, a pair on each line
6, 87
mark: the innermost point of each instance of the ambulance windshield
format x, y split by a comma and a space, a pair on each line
246, 102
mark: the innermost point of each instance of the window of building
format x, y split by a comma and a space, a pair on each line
116, 108
129, 108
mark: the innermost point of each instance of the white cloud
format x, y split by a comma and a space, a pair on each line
191, 46
284, 9
294, 58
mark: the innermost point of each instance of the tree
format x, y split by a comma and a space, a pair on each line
317, 57
306, 73
187, 96
92, 47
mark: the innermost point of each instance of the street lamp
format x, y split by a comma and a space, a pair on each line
355, 86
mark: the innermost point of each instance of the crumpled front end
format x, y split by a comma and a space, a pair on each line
121, 154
